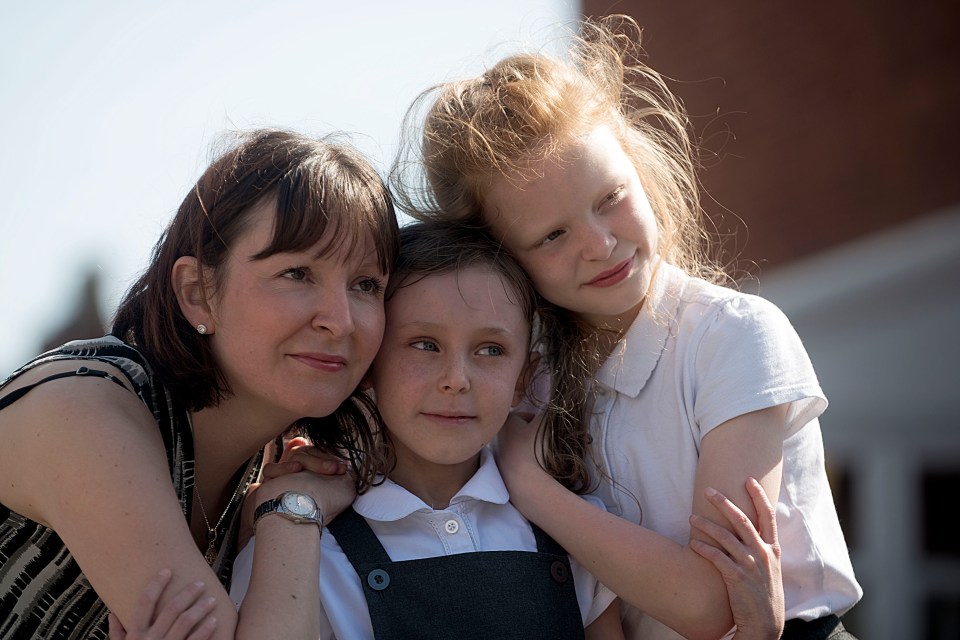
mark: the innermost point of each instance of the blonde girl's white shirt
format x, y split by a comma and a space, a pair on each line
479, 518
696, 356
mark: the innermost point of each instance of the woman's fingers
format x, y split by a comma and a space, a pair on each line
116, 630
186, 616
178, 611
147, 603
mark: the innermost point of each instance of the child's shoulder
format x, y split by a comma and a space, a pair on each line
700, 301
698, 291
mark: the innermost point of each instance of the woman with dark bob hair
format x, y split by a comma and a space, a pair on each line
125, 458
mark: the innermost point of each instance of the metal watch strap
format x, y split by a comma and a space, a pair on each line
270, 505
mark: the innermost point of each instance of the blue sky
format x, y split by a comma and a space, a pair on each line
109, 111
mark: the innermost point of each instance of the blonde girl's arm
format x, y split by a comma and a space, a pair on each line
84, 457
667, 580
749, 561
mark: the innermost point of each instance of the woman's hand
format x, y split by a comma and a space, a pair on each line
186, 616
749, 563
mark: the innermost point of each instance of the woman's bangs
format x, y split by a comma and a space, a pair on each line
336, 211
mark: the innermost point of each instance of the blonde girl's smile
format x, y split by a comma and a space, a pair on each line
613, 276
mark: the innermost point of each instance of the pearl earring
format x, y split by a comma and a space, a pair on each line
201, 329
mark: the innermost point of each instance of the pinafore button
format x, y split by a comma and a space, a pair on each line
378, 579
559, 572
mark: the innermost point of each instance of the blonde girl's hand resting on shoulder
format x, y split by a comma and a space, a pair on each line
297, 455
748, 560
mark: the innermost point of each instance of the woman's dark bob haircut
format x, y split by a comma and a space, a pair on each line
323, 189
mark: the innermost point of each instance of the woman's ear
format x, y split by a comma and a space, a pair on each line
191, 294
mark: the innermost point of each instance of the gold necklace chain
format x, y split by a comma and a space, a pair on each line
211, 554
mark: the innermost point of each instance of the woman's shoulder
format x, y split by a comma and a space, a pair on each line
107, 354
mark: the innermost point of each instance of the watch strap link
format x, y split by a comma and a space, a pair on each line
270, 505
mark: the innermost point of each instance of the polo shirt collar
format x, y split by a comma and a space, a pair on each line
635, 356
389, 501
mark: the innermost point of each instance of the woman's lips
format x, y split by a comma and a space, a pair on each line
322, 361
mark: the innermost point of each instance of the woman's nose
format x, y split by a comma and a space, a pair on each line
334, 314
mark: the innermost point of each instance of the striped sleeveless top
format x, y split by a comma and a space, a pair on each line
43, 593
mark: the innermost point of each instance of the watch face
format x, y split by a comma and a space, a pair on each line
299, 504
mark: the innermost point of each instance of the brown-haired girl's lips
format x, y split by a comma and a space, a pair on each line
448, 418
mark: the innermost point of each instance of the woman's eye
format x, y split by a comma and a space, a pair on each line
370, 285
296, 273
492, 350
425, 345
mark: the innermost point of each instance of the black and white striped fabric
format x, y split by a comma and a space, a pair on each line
43, 593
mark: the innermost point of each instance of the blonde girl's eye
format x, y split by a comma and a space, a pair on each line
550, 237
425, 345
616, 195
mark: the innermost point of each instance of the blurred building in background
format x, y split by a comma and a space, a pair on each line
84, 320
831, 137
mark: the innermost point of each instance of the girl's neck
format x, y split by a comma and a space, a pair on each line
435, 484
606, 331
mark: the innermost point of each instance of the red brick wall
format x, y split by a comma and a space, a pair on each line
830, 120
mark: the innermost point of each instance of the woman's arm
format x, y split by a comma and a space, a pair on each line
667, 580
84, 457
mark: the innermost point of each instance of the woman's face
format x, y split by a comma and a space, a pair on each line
294, 333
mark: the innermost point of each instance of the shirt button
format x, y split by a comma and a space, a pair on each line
451, 526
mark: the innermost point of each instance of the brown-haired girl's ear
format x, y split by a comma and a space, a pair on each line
191, 294
292, 445
525, 381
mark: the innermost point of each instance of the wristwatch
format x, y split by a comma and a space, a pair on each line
292, 505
